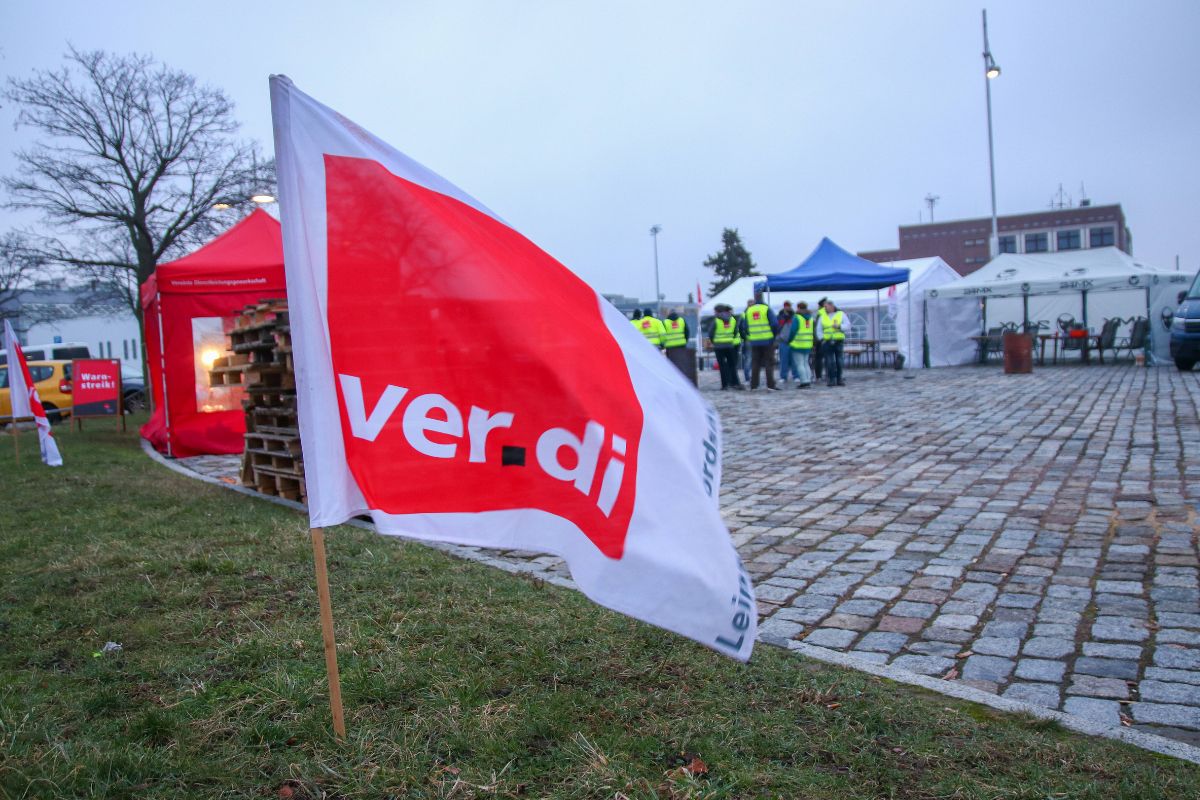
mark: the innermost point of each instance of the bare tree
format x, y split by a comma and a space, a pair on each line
131, 158
17, 264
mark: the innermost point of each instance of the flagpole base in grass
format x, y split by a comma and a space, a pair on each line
331, 665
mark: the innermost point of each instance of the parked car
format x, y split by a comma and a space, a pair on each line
1185, 328
133, 389
51, 351
53, 382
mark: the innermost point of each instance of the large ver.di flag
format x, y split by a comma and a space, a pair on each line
459, 384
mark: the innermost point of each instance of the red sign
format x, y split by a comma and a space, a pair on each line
96, 387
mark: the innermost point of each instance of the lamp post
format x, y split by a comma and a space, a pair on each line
654, 231
990, 71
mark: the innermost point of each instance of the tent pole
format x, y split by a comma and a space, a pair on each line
908, 322
162, 369
878, 327
1025, 304
1150, 327
983, 304
924, 331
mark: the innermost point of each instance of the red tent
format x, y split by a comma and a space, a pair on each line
190, 304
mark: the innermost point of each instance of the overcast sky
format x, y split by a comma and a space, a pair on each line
584, 123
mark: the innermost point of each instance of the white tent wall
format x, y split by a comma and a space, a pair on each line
948, 325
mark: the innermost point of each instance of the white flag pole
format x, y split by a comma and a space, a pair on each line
331, 665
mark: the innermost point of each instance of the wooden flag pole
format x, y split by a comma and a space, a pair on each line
331, 665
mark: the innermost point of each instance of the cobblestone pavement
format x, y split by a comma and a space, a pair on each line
1034, 536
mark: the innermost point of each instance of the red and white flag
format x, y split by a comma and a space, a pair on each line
893, 303
24, 397
458, 384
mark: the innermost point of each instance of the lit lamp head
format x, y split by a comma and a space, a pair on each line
991, 68
262, 198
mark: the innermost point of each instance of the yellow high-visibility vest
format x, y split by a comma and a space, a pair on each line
758, 323
831, 326
804, 335
652, 329
673, 335
725, 332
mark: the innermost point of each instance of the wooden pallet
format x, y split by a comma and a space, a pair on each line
280, 483
268, 396
273, 443
272, 376
272, 420
268, 311
261, 360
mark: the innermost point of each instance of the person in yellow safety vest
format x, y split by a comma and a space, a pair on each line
787, 329
724, 339
759, 328
743, 345
675, 331
637, 319
801, 344
651, 328
832, 326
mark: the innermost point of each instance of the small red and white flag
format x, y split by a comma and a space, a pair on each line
893, 303
24, 397
699, 295
458, 384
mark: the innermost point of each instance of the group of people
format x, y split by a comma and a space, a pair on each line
808, 343
667, 333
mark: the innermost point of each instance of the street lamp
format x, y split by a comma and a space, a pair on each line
654, 231
990, 71
258, 198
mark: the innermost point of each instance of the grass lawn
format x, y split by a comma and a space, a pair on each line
459, 681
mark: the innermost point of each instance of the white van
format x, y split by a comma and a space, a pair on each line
55, 351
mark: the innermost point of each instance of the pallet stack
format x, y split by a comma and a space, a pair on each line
261, 361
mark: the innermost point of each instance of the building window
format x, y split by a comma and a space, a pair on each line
860, 326
1102, 237
1070, 240
1008, 244
887, 328
1037, 242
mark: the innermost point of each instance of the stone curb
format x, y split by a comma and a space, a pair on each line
1146, 741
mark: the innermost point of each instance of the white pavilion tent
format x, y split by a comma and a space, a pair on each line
868, 309
1088, 285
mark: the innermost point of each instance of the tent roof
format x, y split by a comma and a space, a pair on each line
1070, 271
248, 255
829, 267
923, 273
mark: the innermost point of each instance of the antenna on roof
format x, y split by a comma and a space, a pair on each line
1060, 199
1084, 200
931, 201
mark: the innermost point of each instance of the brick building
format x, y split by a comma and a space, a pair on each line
963, 243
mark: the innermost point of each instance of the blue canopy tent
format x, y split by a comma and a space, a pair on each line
830, 268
